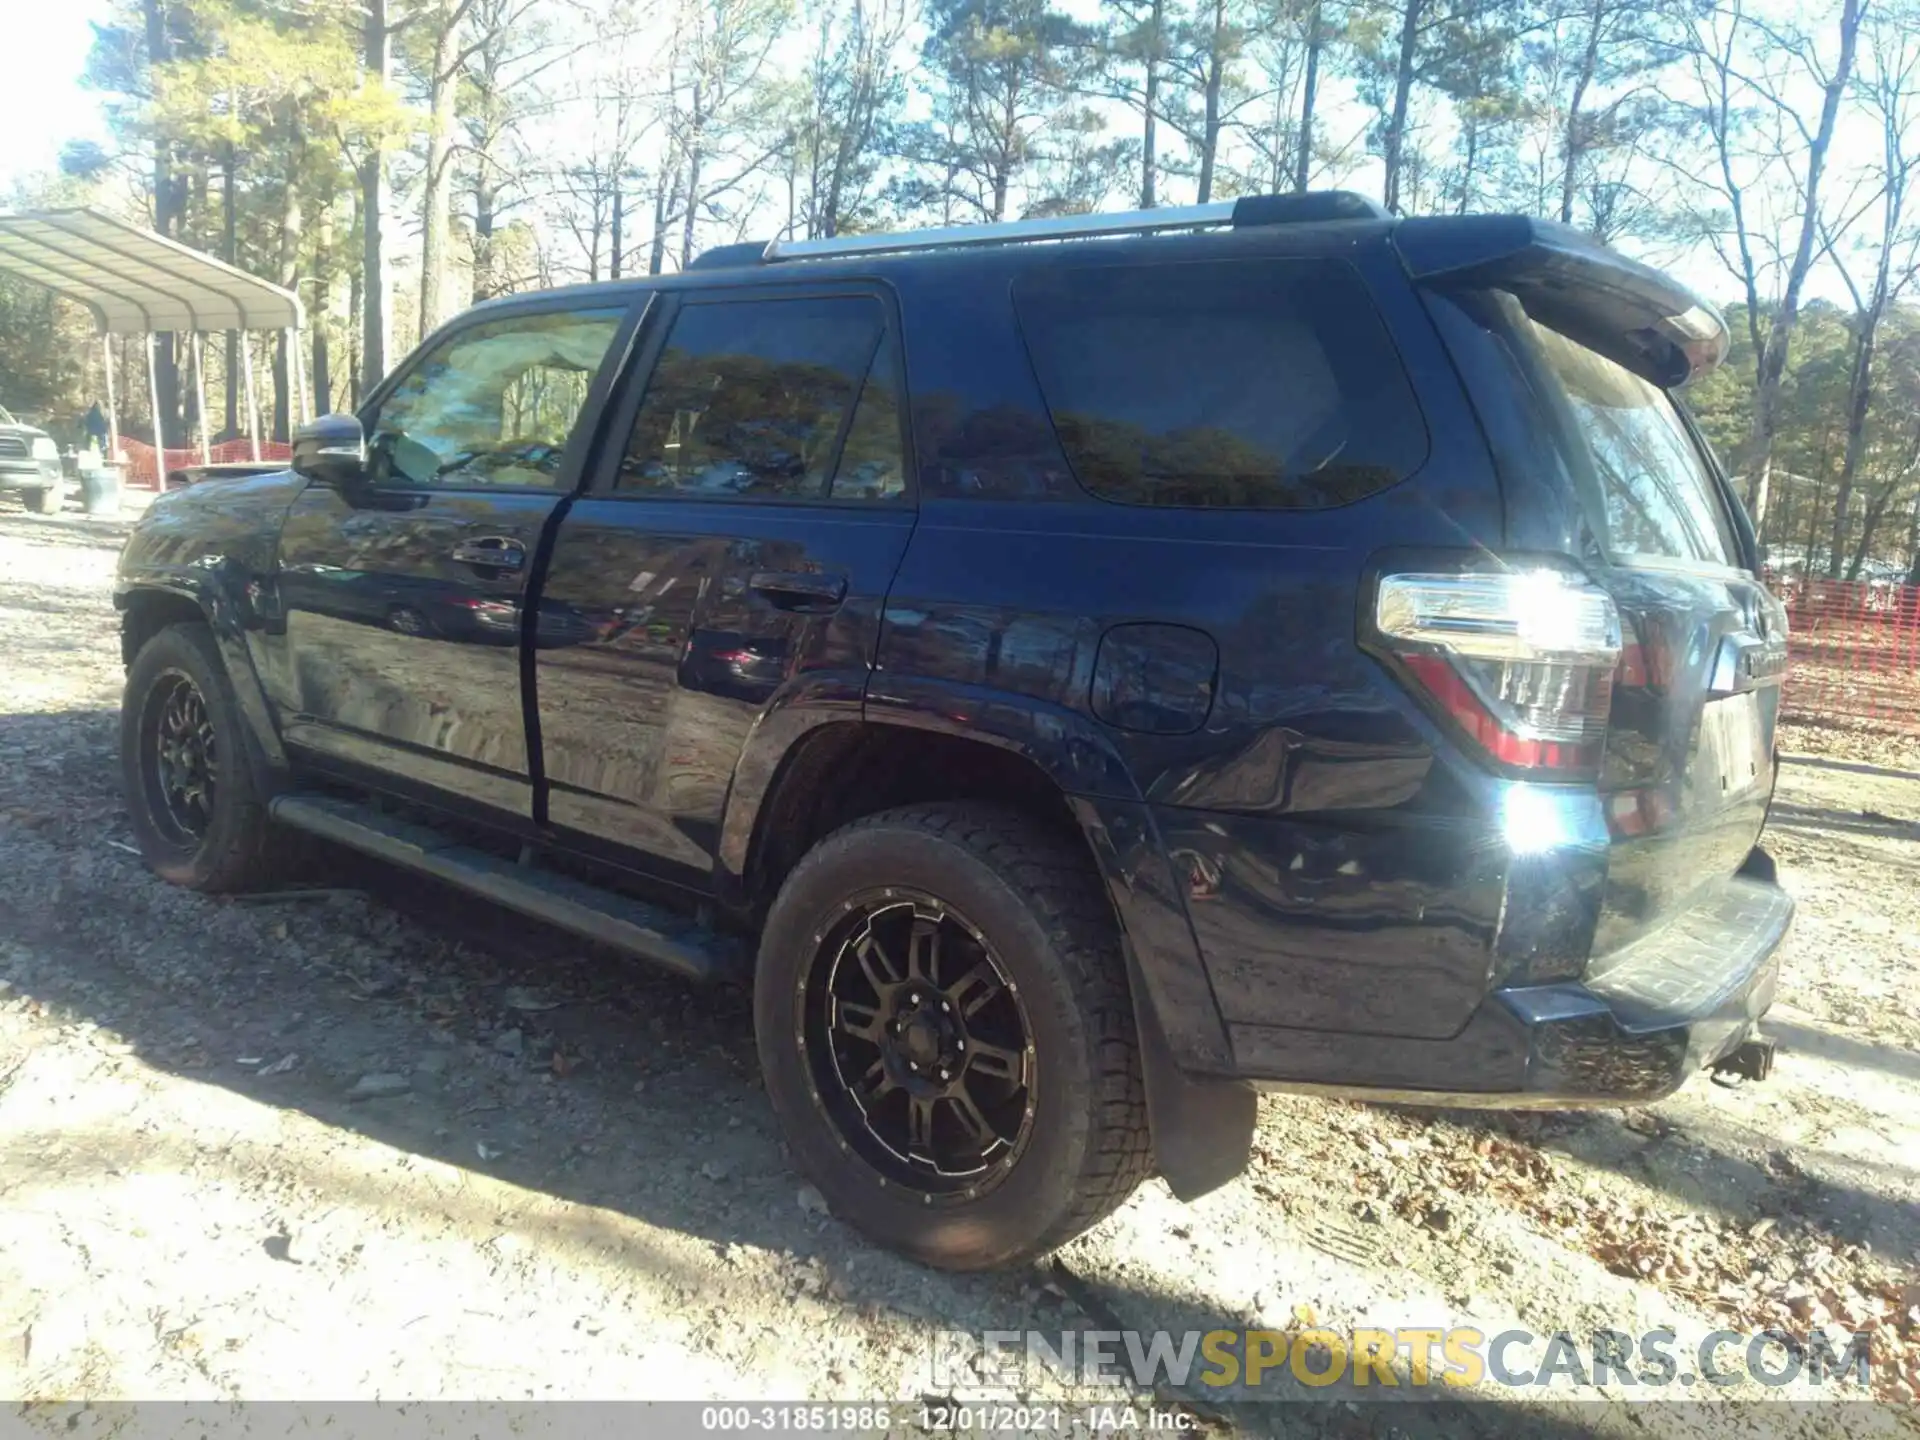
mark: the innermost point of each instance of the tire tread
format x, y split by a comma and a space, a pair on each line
255, 850
1060, 887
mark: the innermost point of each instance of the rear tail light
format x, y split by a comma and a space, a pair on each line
1522, 660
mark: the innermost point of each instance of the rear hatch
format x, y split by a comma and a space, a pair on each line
1570, 351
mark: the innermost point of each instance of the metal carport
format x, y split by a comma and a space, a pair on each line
135, 282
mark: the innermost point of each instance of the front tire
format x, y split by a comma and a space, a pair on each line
195, 804
947, 1036
44, 501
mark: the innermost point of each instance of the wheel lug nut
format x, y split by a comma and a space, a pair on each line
913, 999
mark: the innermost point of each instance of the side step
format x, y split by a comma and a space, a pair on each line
650, 932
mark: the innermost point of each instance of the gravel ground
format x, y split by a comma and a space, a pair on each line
381, 1142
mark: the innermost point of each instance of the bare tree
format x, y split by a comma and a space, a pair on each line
849, 97
721, 108
1740, 63
1893, 66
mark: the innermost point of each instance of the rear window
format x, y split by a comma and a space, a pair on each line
1642, 476
1266, 384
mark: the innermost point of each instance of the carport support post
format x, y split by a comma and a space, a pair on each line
159, 431
253, 405
298, 412
113, 410
200, 397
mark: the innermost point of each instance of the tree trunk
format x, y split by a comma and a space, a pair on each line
230, 252
1570, 141
1913, 543
1210, 121
167, 200
1466, 169
292, 224
1773, 360
322, 308
437, 184
618, 239
1393, 143
662, 196
1004, 162
1869, 522
1859, 393
373, 177
1303, 160
696, 117
355, 301
485, 201
1156, 20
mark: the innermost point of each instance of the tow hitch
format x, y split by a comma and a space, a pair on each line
1749, 1060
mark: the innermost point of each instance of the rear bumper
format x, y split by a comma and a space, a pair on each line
1633, 1030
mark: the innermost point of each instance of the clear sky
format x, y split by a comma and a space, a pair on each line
42, 104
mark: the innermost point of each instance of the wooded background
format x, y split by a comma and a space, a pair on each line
502, 145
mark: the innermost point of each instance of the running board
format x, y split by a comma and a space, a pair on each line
650, 932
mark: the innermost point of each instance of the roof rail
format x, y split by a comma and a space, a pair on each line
1249, 210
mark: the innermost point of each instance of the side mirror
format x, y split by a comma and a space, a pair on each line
331, 450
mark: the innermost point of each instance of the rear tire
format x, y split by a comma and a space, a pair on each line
44, 501
1009, 934
193, 797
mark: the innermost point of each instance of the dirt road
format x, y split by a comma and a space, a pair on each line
384, 1143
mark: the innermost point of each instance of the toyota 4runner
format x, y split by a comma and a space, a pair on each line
1073, 683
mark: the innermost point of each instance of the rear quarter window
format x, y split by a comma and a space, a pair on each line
1252, 384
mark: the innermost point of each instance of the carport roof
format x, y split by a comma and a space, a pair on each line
135, 281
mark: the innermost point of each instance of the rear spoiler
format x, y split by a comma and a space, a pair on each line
1627, 311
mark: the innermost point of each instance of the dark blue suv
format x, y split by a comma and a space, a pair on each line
1076, 671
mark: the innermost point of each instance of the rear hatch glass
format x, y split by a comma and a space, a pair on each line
1645, 483
1688, 767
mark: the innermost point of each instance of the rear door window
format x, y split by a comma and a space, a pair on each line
1266, 384
1642, 475
751, 399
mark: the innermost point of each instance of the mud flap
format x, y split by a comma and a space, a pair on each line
1202, 1126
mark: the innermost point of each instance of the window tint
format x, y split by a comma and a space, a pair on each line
1643, 473
1251, 383
493, 405
749, 399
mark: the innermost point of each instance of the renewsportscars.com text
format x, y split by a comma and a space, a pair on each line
1405, 1358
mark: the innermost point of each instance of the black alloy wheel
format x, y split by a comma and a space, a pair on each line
194, 789
918, 1044
180, 759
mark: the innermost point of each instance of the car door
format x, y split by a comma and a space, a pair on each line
732, 555
402, 595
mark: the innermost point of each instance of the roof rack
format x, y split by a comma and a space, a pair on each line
1249, 210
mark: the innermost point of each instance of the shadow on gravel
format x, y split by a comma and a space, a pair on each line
1857, 767
1842, 1050
1852, 822
1714, 1171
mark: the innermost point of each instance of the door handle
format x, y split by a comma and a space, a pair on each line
501, 552
805, 590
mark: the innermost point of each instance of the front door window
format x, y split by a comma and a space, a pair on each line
492, 406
